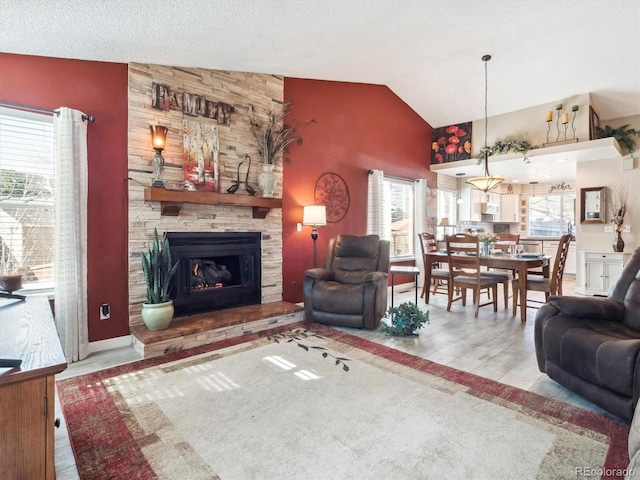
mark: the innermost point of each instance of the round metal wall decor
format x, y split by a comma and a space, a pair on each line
332, 191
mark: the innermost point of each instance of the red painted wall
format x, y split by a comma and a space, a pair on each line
99, 89
358, 127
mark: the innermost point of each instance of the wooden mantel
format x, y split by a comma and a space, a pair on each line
171, 200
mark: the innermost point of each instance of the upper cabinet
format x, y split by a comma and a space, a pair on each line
470, 209
510, 208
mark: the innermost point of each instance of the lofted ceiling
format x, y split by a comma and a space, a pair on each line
428, 52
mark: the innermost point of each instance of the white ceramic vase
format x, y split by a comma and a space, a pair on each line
267, 180
157, 316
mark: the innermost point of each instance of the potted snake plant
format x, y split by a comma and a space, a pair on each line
157, 311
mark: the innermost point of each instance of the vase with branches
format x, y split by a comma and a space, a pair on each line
273, 135
618, 202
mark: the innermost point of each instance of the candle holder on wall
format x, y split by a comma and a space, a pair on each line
548, 128
561, 118
558, 109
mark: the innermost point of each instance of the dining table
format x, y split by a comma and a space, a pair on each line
520, 263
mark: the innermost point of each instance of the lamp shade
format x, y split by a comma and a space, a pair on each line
444, 222
158, 136
485, 183
315, 215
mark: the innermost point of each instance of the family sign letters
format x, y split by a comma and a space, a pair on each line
163, 98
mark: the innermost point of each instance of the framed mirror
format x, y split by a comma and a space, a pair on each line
592, 205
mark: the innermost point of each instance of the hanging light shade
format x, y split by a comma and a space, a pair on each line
487, 181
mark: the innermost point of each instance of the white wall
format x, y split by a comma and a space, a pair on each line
607, 172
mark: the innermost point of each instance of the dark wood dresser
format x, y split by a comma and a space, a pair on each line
27, 394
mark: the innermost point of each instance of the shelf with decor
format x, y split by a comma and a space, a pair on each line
171, 200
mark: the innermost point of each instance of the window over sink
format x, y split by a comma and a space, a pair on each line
551, 215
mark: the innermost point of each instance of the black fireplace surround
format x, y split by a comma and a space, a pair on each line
216, 270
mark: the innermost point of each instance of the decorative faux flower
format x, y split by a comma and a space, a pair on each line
487, 238
618, 205
618, 218
272, 135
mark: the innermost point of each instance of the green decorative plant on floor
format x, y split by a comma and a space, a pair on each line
623, 135
406, 319
157, 270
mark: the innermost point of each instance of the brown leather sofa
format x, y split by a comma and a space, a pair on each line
591, 345
351, 289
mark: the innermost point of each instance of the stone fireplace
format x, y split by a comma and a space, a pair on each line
243, 91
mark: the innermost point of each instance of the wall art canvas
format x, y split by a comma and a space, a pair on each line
450, 144
200, 156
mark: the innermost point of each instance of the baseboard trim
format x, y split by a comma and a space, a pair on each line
110, 343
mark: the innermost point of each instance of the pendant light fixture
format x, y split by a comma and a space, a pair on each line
487, 181
460, 201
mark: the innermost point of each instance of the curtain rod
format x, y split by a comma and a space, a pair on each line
370, 172
89, 118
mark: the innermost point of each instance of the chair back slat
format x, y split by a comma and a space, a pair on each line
558, 266
463, 254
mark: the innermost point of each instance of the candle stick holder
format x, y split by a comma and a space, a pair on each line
565, 130
574, 109
558, 109
548, 129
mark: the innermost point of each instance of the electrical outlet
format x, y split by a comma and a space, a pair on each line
299, 227
608, 229
627, 229
105, 311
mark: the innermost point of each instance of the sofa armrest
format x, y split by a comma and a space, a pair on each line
593, 308
319, 274
375, 277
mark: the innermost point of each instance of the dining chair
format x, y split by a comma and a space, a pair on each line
463, 254
551, 285
505, 242
439, 275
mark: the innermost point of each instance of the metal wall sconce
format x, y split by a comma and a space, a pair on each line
158, 140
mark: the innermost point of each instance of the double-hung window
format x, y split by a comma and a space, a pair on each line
27, 196
551, 215
399, 209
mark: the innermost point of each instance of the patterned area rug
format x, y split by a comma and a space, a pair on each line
251, 408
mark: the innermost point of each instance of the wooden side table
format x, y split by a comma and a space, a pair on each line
27, 394
401, 270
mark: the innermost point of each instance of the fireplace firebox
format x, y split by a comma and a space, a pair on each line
216, 270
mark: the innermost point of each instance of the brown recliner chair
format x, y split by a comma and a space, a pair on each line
351, 289
591, 345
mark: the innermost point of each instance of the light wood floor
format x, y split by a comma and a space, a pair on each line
494, 345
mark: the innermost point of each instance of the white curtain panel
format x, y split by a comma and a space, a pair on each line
420, 222
71, 233
376, 218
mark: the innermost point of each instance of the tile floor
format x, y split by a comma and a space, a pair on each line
494, 345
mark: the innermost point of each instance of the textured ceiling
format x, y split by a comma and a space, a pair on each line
428, 52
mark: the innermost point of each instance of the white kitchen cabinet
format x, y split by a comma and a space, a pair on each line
599, 271
550, 248
469, 210
510, 208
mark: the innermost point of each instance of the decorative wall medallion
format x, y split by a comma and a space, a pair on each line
332, 191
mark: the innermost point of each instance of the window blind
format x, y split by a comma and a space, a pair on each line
27, 170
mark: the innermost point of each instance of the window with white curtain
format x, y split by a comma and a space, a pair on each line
399, 209
27, 170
